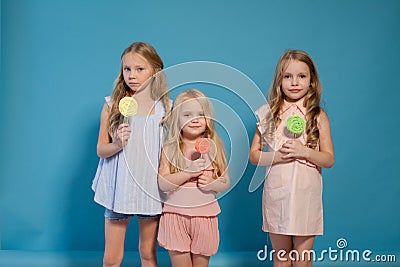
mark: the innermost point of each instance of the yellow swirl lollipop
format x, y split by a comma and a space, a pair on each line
128, 106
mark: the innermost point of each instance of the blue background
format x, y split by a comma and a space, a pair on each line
60, 58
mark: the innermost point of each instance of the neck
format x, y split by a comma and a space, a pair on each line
143, 95
301, 100
189, 141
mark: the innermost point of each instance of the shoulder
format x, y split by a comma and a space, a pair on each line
167, 147
162, 104
106, 105
167, 154
107, 100
170, 102
262, 111
323, 119
162, 101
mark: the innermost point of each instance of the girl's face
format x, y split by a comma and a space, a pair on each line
296, 80
191, 119
136, 71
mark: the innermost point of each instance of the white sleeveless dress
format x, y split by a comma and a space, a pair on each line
127, 181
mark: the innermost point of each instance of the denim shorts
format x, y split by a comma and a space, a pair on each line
114, 216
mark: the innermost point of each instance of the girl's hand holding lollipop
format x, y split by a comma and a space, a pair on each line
203, 146
127, 107
292, 148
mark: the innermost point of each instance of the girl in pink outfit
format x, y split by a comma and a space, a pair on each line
189, 224
292, 196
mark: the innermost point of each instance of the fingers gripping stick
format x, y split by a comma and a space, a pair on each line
128, 107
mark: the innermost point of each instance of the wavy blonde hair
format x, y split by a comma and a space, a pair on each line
158, 84
173, 144
311, 99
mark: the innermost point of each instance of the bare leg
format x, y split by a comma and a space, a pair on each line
282, 244
147, 242
179, 259
200, 260
303, 245
115, 237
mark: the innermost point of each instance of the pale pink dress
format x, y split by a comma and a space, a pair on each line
292, 196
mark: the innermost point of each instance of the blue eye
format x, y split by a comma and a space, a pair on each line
286, 76
140, 69
126, 69
303, 76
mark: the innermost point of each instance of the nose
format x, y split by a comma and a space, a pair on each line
294, 80
132, 75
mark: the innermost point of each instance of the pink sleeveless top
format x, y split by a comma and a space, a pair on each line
189, 199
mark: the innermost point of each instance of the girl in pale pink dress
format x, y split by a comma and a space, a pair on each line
189, 224
292, 196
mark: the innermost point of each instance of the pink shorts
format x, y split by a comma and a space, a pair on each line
198, 235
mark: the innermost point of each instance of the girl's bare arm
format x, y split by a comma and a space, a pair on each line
264, 158
169, 181
105, 148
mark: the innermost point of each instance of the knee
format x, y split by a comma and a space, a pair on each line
302, 263
112, 260
283, 262
287, 263
147, 252
303, 260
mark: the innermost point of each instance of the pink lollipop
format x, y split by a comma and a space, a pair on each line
203, 146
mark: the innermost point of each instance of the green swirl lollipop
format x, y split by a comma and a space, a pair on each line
296, 124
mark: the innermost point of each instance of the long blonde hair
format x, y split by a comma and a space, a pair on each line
311, 99
158, 85
173, 144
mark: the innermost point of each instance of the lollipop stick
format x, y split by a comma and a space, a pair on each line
124, 121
